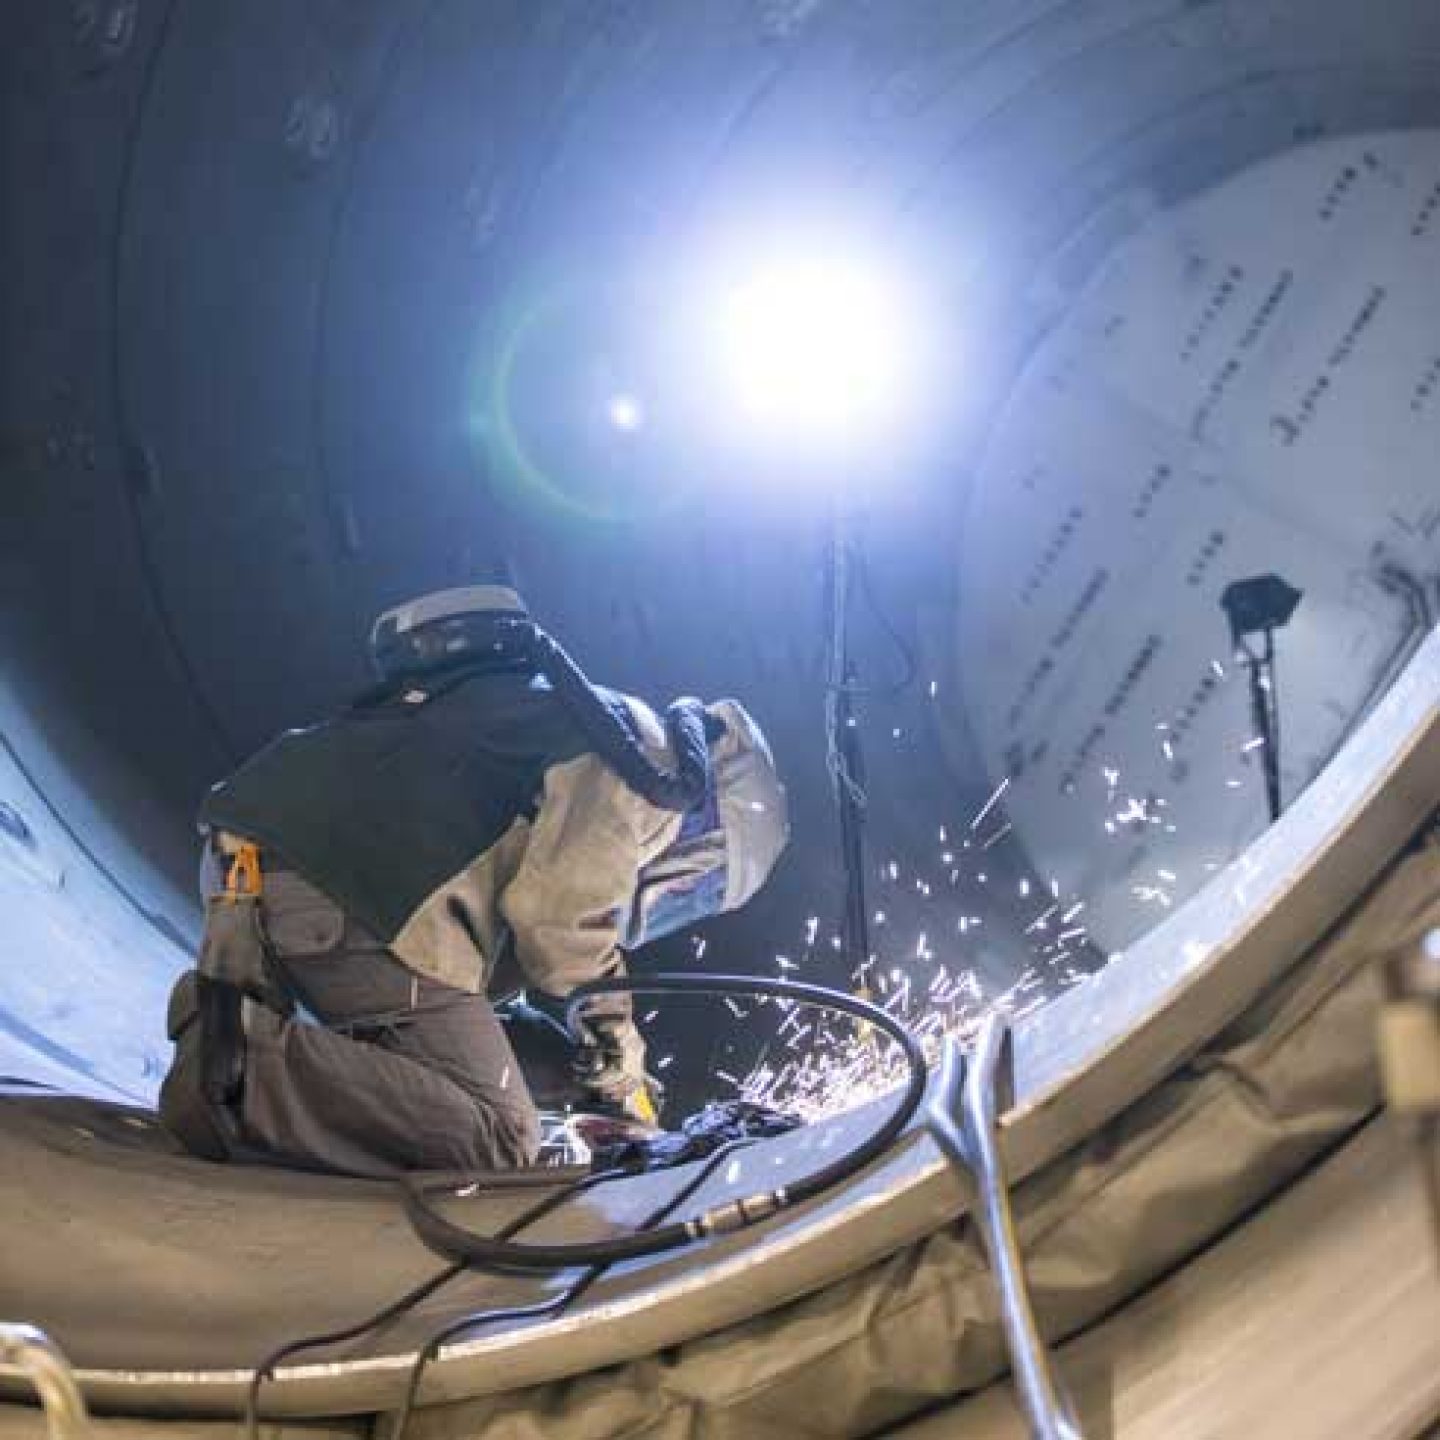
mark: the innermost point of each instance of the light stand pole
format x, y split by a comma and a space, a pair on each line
1265, 715
843, 755
1260, 606
814, 342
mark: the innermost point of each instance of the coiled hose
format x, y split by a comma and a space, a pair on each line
458, 1244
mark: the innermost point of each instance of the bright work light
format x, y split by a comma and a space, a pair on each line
815, 348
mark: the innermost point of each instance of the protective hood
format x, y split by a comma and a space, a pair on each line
727, 844
750, 799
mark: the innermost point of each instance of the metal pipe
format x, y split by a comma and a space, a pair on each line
35, 1355
972, 1143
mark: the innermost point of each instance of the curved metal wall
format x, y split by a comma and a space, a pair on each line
260, 262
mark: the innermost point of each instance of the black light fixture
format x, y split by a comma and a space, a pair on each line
1256, 609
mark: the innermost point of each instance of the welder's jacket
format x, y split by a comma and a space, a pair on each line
464, 823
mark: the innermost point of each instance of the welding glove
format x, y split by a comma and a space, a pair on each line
612, 1066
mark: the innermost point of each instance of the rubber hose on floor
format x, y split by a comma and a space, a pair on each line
458, 1244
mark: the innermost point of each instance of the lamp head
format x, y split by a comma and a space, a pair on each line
1257, 605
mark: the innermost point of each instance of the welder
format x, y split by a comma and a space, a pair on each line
481, 822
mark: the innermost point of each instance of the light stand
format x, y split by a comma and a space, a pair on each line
1259, 607
843, 756
816, 347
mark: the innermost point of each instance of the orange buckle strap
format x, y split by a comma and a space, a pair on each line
243, 879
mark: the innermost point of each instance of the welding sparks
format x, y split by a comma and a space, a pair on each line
814, 1064
990, 804
1147, 893
1042, 920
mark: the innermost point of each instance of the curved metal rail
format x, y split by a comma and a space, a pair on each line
972, 1142
35, 1355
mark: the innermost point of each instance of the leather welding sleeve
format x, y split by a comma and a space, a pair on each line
569, 900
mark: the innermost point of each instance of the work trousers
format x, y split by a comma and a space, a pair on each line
400, 1072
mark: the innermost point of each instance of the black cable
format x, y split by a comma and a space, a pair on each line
506, 641
499, 1252
506, 1179
556, 1304
266, 1368
453, 1242
427, 1354
855, 558
844, 759
910, 665
676, 790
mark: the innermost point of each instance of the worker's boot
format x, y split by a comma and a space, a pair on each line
200, 1098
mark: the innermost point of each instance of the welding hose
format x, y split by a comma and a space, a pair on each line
606, 733
455, 1243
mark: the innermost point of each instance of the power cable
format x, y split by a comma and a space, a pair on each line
437, 1341
455, 1243
848, 572
501, 1253
266, 1368
396, 1308
909, 663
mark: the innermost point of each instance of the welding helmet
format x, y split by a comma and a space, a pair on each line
447, 628
728, 841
